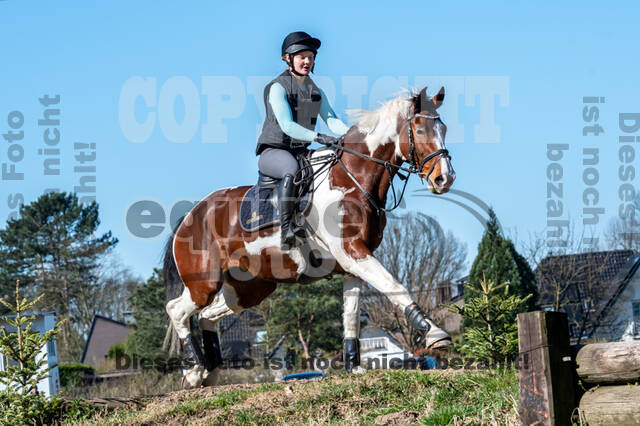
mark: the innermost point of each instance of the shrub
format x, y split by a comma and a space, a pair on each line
493, 335
72, 375
116, 351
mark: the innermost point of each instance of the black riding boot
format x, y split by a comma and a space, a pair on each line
286, 205
351, 354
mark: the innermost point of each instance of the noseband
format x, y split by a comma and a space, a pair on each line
415, 166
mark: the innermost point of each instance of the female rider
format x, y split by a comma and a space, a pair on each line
293, 102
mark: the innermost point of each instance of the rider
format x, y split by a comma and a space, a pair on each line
293, 102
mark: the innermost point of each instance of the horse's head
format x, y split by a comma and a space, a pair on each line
422, 142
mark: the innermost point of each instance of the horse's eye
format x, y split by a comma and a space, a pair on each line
420, 131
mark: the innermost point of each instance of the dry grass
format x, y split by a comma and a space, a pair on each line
154, 383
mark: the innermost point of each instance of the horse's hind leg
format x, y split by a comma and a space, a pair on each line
234, 298
180, 310
201, 275
223, 305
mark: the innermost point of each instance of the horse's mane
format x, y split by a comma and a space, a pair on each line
381, 125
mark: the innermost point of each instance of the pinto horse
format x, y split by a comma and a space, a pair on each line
215, 268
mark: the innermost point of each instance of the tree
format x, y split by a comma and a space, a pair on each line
417, 252
493, 337
537, 246
52, 247
19, 404
624, 232
115, 288
571, 274
498, 260
580, 284
151, 319
309, 314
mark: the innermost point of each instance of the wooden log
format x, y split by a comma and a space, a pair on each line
608, 363
611, 405
545, 369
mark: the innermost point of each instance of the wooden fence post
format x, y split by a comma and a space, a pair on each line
546, 369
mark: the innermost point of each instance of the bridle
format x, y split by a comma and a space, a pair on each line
412, 150
415, 164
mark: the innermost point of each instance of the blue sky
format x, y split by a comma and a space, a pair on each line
534, 62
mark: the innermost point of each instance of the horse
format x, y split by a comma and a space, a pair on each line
214, 268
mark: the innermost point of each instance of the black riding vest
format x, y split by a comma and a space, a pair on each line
305, 103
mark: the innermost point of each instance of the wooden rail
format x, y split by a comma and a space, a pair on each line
560, 387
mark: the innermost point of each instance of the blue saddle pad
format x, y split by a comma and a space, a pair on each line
259, 208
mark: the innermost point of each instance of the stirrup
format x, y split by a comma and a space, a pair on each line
289, 244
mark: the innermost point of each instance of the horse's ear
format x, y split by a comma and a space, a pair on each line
438, 98
420, 101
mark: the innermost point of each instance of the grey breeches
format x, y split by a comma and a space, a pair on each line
277, 163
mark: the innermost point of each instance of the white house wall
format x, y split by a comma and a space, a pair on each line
618, 323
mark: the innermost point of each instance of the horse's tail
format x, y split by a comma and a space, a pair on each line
173, 282
172, 288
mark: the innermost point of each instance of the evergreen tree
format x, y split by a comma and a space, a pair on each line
19, 403
499, 262
52, 247
493, 337
528, 285
151, 318
309, 314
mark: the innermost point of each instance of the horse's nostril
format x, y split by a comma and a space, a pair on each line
439, 180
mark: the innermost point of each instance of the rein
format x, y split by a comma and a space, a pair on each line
414, 166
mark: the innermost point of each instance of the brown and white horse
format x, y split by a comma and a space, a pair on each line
214, 268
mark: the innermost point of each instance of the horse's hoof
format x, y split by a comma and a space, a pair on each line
358, 369
211, 378
193, 378
445, 343
436, 338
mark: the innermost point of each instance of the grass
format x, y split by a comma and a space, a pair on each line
148, 383
436, 397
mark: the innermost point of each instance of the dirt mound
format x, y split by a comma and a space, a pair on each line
377, 397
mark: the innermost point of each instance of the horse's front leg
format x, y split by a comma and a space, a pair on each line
359, 261
351, 288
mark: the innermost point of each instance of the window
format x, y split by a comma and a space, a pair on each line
261, 336
51, 348
635, 307
573, 330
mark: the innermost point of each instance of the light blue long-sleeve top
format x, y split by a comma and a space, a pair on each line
284, 116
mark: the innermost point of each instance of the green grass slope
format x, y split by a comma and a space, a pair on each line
437, 397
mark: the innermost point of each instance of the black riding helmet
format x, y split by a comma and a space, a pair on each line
297, 42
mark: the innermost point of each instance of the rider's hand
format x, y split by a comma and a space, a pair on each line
326, 139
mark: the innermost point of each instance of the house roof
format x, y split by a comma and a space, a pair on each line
601, 276
104, 333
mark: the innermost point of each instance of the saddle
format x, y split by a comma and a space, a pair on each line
259, 206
